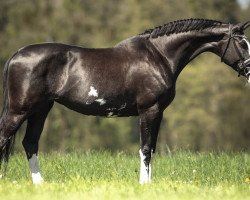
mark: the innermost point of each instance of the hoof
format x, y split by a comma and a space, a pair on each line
37, 179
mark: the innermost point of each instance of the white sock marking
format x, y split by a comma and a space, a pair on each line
35, 171
145, 171
93, 92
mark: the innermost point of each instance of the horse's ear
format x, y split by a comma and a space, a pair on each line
243, 26
239, 28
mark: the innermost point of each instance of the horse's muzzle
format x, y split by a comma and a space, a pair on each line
247, 73
247, 69
244, 69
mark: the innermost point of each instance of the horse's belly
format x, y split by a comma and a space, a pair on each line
118, 107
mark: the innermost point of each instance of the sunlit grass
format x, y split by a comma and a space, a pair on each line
103, 175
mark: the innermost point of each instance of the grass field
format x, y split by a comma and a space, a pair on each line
103, 175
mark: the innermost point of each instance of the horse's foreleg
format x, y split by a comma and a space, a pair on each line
30, 142
150, 122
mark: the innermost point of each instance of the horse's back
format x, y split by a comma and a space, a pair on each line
82, 79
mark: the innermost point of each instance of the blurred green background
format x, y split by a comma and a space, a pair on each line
211, 110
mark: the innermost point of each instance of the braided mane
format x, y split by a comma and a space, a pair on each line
181, 26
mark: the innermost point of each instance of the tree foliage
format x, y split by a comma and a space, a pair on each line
211, 109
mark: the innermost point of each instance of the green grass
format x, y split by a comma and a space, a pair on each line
103, 175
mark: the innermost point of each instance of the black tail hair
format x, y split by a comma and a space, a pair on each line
6, 145
5, 152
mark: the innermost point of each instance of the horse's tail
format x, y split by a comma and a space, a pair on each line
6, 144
5, 152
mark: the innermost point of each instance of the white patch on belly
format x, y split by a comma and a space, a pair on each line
93, 92
111, 109
101, 101
35, 171
110, 114
123, 106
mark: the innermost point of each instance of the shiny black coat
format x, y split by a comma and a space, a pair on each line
135, 77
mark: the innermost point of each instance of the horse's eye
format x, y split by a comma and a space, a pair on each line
243, 44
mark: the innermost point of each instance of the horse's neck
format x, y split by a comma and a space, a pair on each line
180, 49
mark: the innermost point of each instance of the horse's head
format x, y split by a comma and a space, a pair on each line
235, 49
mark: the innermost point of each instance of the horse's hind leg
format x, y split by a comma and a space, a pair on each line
30, 142
9, 124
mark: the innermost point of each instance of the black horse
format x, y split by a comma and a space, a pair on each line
136, 77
